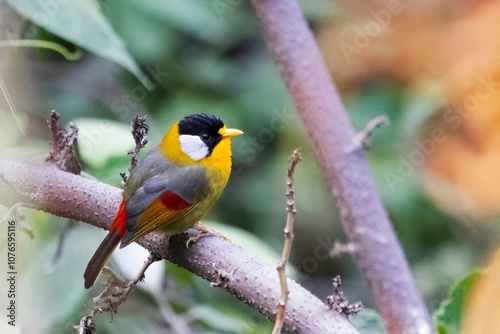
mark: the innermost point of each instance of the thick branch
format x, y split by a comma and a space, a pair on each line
363, 216
47, 188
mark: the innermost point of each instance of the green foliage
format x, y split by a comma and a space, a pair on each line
100, 139
47, 274
449, 315
203, 23
103, 146
82, 23
368, 321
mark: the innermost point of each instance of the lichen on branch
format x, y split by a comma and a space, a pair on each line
63, 152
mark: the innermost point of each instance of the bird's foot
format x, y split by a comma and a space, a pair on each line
204, 232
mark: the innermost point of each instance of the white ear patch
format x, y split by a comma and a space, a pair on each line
193, 146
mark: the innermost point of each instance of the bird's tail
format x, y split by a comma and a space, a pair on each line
108, 245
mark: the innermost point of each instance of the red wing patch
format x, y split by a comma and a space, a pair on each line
173, 201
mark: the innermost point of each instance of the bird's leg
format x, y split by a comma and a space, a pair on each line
204, 232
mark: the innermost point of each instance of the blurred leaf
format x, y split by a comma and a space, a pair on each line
80, 22
179, 274
221, 322
190, 16
442, 266
45, 278
133, 25
449, 315
136, 315
110, 174
101, 139
368, 321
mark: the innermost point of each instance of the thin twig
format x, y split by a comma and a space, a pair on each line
115, 294
290, 216
179, 323
339, 303
341, 248
86, 326
122, 296
363, 139
12, 210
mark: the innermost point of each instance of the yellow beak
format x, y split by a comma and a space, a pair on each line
228, 133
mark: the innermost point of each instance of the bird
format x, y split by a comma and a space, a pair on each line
172, 187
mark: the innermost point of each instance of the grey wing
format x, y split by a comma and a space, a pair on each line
188, 183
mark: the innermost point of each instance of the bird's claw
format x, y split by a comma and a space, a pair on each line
204, 232
195, 239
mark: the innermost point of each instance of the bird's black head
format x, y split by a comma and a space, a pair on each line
204, 126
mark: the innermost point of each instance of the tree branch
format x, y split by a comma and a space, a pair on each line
363, 216
293, 160
47, 188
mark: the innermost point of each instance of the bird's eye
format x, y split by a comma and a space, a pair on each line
205, 137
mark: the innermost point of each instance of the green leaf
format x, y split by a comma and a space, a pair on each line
368, 321
82, 23
449, 315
